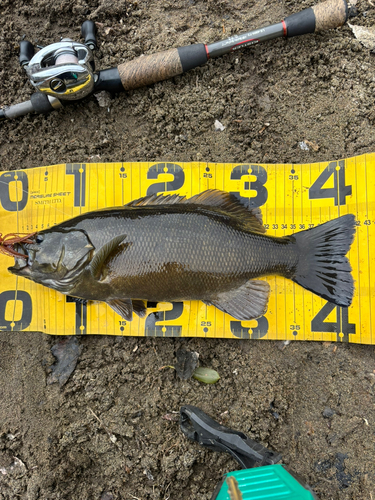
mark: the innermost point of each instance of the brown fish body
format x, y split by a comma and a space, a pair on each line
177, 253
207, 248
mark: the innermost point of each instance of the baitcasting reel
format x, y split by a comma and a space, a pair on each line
64, 70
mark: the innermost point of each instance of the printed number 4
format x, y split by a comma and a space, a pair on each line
339, 192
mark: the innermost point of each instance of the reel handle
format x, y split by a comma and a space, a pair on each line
27, 51
88, 32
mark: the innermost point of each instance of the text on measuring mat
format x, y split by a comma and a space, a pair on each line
50, 195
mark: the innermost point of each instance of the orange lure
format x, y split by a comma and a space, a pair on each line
8, 241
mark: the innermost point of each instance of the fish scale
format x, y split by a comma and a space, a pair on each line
219, 256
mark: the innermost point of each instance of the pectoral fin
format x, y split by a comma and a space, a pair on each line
245, 303
123, 307
99, 260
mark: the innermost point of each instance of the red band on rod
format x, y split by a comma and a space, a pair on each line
285, 31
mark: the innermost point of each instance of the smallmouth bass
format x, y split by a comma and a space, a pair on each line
169, 248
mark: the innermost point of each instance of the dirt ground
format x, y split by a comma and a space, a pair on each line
111, 432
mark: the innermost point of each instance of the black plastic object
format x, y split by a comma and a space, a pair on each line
88, 33
300, 23
41, 103
192, 56
27, 51
199, 427
108, 79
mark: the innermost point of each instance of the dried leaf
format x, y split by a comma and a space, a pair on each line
66, 352
186, 363
313, 145
365, 35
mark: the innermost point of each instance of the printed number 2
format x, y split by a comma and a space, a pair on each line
339, 192
154, 330
165, 168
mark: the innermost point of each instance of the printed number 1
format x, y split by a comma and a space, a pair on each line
80, 315
78, 170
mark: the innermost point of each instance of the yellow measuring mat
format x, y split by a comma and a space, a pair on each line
291, 197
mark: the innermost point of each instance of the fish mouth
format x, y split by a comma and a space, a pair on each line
22, 265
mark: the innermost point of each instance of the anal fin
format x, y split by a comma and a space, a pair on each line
247, 302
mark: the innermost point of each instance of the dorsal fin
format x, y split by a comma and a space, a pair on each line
251, 219
154, 199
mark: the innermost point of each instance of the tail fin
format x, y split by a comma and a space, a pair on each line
322, 266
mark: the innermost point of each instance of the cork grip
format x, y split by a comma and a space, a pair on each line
146, 70
330, 14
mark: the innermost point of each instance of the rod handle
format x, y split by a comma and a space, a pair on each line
330, 14
146, 70
323, 16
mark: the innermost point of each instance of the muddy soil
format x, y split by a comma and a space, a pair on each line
111, 431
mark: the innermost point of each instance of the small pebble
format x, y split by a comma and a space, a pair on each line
219, 126
328, 412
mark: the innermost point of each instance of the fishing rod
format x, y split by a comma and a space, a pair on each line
65, 71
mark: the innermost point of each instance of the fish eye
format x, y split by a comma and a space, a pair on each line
39, 238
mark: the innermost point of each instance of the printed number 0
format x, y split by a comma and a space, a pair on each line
5, 181
27, 309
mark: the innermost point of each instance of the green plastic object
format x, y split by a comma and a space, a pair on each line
271, 482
